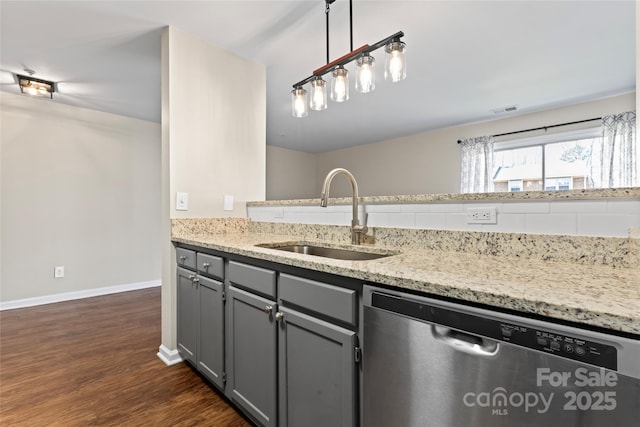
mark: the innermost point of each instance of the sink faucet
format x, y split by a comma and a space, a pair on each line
357, 230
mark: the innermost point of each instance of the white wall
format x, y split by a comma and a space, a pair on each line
80, 189
429, 162
291, 174
213, 141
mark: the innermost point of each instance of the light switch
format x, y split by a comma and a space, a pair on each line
182, 201
228, 203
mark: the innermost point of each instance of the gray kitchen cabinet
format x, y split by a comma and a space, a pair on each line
283, 348
317, 372
201, 322
187, 315
210, 345
251, 354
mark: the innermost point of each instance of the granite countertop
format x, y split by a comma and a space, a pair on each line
597, 295
589, 194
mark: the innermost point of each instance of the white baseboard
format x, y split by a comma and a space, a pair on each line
68, 296
168, 356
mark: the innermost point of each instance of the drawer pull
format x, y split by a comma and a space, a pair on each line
183, 258
268, 309
192, 276
279, 316
196, 280
205, 265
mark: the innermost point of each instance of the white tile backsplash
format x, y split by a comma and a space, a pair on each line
447, 207
572, 217
415, 208
550, 223
431, 220
631, 207
578, 206
506, 223
525, 207
458, 221
607, 225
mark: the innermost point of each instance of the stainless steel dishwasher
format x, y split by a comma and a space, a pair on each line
428, 362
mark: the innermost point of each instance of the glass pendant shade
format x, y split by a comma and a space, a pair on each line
365, 80
395, 66
318, 99
299, 102
340, 85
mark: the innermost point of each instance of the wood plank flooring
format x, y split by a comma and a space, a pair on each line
93, 362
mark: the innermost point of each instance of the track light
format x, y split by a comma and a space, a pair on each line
395, 70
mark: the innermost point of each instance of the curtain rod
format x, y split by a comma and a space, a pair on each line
543, 127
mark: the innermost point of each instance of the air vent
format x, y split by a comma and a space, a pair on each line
503, 110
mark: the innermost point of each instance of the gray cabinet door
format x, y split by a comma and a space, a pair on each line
317, 372
210, 352
251, 355
187, 312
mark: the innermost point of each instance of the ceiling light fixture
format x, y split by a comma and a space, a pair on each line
395, 71
33, 86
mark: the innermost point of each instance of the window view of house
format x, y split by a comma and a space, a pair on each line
544, 166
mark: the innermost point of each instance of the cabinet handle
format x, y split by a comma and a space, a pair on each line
279, 316
183, 258
196, 280
205, 265
192, 276
268, 309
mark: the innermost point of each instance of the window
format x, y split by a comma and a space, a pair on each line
515, 185
547, 162
558, 183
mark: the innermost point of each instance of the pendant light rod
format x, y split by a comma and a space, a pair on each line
326, 12
343, 60
351, 25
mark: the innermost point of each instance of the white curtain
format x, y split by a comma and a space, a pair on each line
615, 157
476, 166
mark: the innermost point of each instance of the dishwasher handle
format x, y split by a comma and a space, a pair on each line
467, 343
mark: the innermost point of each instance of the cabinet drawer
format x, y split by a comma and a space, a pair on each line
259, 280
329, 300
210, 265
186, 258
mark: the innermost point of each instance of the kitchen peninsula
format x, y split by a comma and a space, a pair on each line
590, 280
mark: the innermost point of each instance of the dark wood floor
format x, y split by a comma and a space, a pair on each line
93, 362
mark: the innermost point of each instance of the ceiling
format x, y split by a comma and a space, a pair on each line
465, 58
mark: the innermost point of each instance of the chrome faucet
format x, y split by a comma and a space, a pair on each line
357, 230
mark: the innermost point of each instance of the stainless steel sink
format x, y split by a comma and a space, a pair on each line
326, 252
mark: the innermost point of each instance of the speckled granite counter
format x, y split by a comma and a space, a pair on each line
594, 194
601, 294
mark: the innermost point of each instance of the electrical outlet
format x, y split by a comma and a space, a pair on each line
481, 216
58, 272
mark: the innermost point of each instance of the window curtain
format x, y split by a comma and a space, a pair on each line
615, 157
476, 165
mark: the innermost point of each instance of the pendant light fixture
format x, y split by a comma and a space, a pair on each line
365, 76
395, 70
340, 84
318, 100
299, 102
35, 87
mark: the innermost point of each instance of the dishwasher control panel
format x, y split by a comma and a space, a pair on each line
571, 347
546, 340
